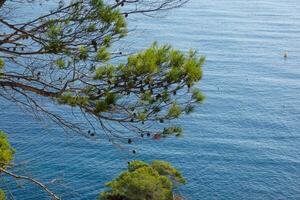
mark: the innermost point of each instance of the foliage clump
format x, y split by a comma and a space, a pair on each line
142, 181
198, 96
60, 63
6, 151
1, 63
2, 195
174, 111
6, 156
71, 100
173, 130
158, 83
102, 55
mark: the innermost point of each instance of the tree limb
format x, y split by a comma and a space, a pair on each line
2, 2
28, 88
44, 187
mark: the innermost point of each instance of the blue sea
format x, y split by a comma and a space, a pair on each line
242, 143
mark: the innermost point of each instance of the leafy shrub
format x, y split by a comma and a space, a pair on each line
6, 151
142, 181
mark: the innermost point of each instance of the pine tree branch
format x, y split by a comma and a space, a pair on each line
44, 187
28, 88
2, 3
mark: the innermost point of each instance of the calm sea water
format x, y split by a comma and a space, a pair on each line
243, 143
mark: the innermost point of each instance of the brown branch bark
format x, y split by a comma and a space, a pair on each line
44, 187
28, 88
2, 3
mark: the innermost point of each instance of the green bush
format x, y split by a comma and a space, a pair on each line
6, 156
142, 181
6, 151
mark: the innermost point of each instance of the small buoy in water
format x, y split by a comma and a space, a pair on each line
285, 55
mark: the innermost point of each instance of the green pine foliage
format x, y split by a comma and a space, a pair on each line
166, 169
142, 181
60, 63
54, 31
1, 64
71, 100
2, 195
92, 28
150, 79
6, 151
134, 165
142, 116
102, 55
110, 98
173, 130
83, 53
174, 111
189, 109
106, 71
101, 106
101, 18
6, 156
198, 96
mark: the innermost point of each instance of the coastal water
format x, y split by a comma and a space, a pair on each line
243, 143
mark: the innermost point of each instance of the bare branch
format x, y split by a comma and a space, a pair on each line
41, 185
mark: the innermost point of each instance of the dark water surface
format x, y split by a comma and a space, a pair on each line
243, 143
